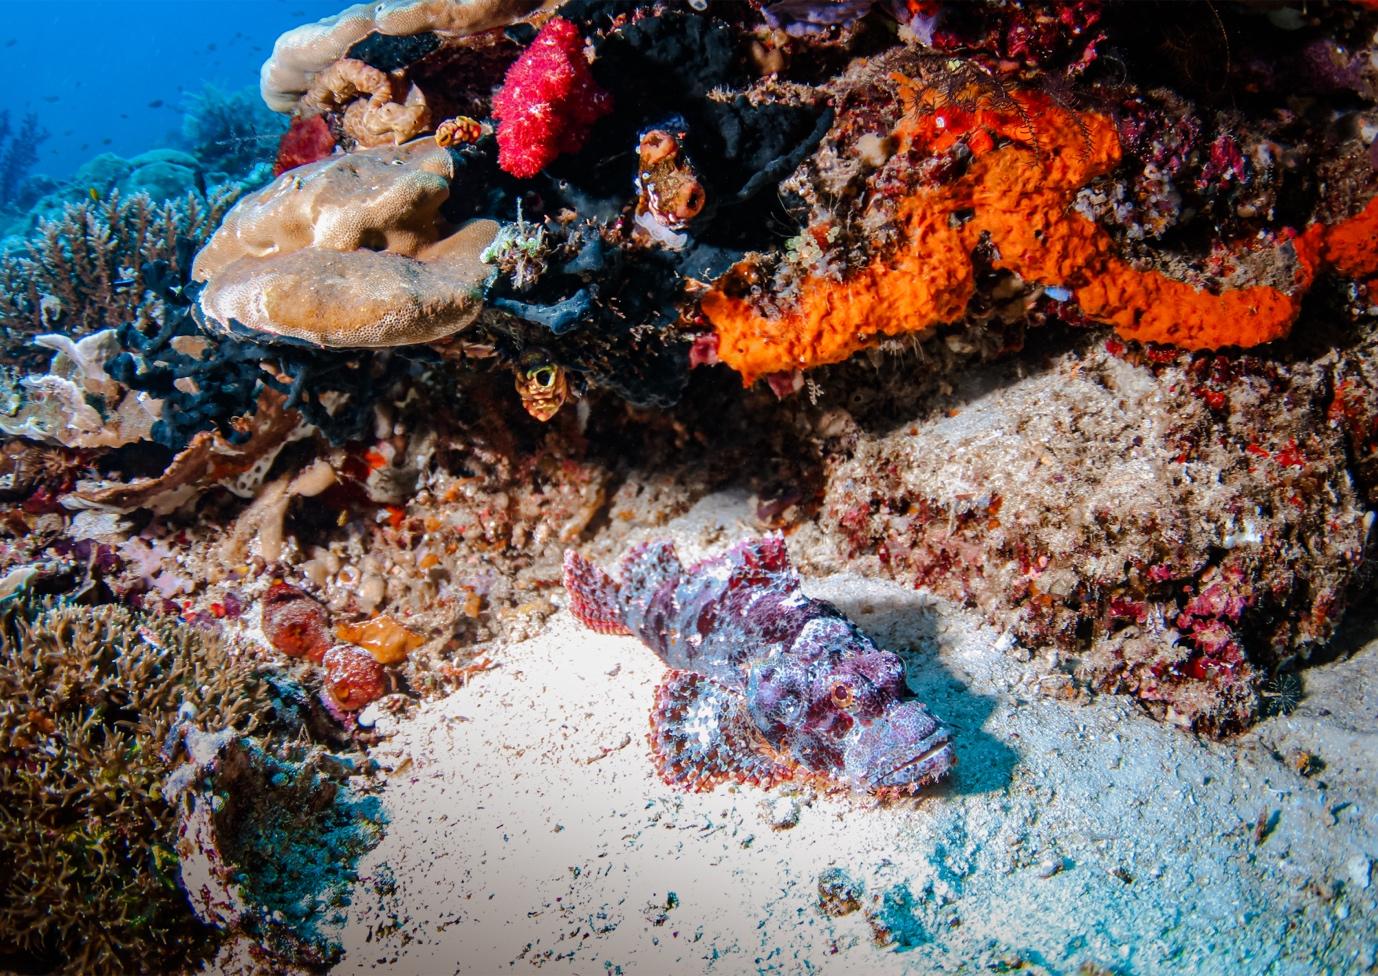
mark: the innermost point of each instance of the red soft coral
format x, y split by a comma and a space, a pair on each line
548, 101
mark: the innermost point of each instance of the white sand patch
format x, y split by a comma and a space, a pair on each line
528, 828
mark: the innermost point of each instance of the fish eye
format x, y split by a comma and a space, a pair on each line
843, 694
789, 708
542, 376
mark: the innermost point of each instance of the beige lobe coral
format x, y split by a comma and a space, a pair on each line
373, 117
372, 123
304, 52
349, 251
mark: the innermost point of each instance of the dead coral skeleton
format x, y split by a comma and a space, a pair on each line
76, 403
209, 459
264, 518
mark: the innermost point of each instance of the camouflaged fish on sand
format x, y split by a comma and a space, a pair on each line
766, 684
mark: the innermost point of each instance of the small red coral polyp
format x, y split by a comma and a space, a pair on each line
353, 678
295, 624
305, 141
548, 101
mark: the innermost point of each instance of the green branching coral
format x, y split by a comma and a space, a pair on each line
88, 699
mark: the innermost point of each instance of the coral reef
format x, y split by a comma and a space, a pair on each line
230, 133
18, 153
77, 404
84, 271
268, 845
765, 683
1173, 576
304, 52
373, 115
1028, 158
91, 697
1047, 331
1052, 327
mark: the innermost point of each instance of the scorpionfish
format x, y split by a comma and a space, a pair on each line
766, 684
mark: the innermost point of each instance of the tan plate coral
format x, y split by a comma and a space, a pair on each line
350, 251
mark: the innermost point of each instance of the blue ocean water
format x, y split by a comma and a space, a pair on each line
117, 77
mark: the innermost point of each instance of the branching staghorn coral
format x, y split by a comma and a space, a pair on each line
89, 700
85, 270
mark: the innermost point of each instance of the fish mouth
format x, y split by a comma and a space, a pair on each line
933, 760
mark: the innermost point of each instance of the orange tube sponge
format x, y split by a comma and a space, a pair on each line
1019, 194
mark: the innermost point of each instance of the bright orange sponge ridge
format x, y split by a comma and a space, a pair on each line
1021, 196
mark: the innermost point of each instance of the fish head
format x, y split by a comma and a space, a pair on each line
543, 385
839, 706
902, 750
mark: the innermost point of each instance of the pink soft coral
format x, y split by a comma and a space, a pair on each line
547, 102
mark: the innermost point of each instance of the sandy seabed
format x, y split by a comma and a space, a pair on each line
528, 829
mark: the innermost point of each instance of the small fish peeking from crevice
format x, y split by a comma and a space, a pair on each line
543, 385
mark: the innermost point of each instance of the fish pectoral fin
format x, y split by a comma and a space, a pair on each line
593, 596
701, 736
647, 567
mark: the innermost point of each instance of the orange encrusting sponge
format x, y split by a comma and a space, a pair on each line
1021, 196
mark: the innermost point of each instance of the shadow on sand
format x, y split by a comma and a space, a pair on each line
909, 625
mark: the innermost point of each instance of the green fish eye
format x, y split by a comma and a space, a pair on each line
543, 376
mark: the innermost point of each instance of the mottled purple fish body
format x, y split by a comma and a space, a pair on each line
766, 684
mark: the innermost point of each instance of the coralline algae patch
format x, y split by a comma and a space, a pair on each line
1030, 159
1141, 530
